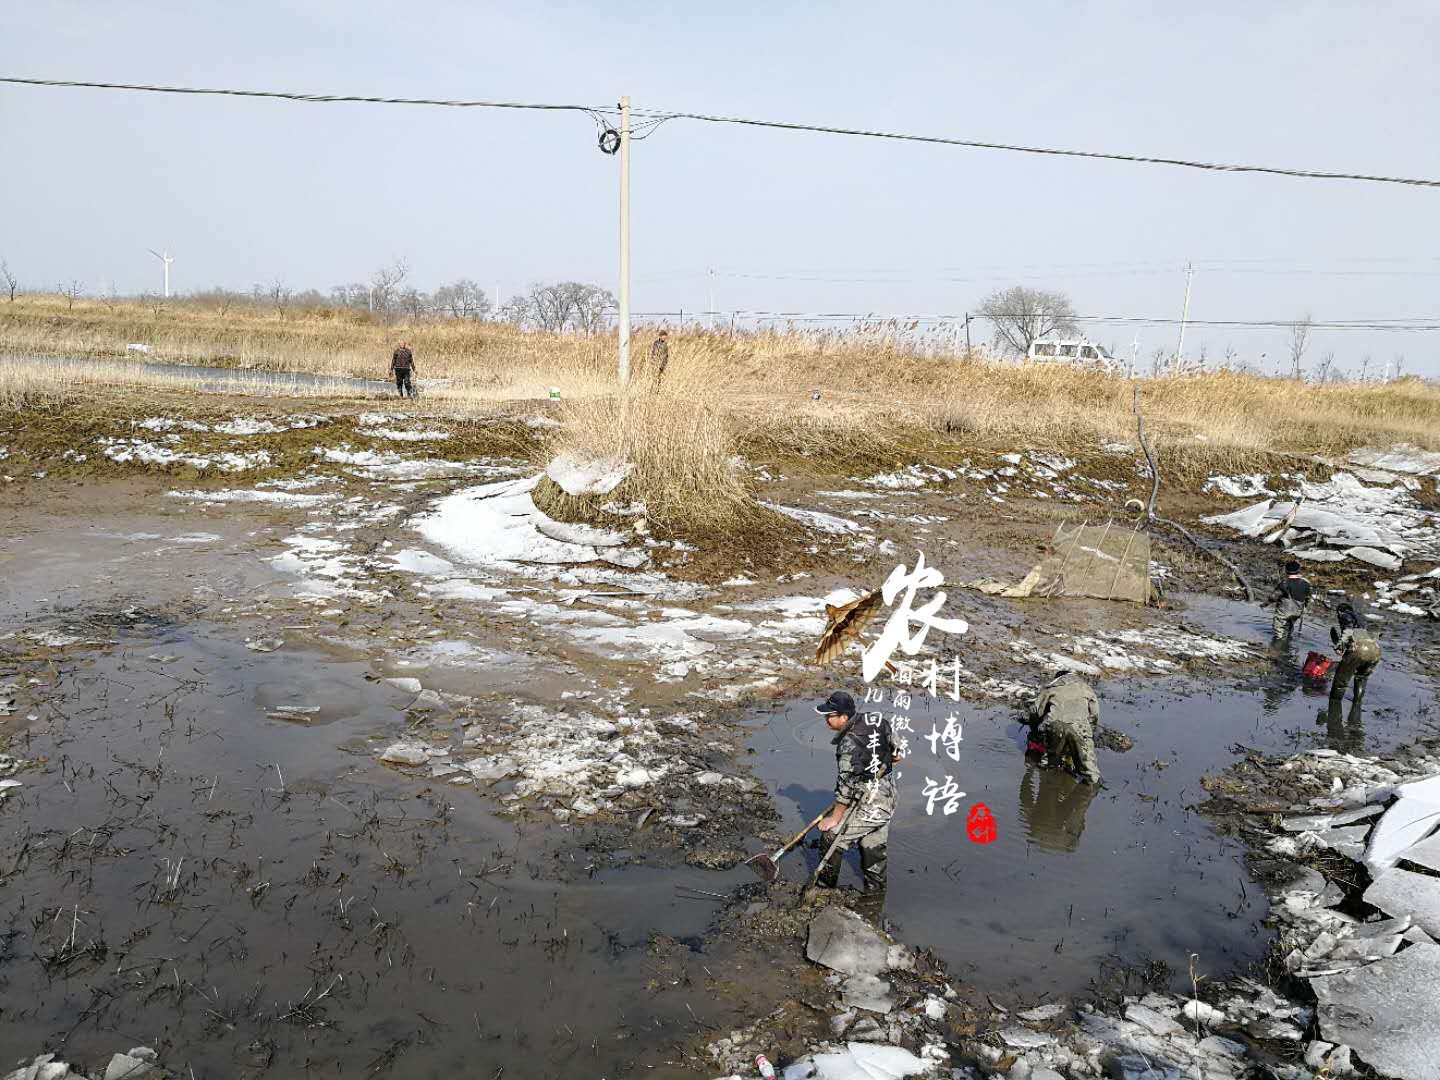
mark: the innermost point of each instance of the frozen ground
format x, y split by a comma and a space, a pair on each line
1366, 515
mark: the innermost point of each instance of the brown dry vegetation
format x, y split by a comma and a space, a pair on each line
881, 403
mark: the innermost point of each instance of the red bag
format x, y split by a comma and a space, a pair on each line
1317, 666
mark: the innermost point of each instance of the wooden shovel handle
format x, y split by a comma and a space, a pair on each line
799, 835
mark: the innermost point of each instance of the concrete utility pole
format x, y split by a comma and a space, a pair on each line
167, 260
1134, 356
624, 242
712, 298
1184, 316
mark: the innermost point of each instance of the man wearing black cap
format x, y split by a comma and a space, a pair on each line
1290, 598
864, 790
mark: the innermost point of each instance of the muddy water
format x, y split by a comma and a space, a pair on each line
192, 873
213, 379
1077, 878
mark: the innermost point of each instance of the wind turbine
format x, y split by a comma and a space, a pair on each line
167, 260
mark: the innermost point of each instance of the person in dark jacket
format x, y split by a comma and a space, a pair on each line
659, 357
402, 365
1290, 598
1359, 652
864, 791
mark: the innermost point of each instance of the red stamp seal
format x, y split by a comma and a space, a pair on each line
980, 825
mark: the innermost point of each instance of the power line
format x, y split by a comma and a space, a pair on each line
1404, 324
315, 99
1316, 174
903, 278
659, 116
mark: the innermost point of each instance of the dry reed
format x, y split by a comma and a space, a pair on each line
834, 401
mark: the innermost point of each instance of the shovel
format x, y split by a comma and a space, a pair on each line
764, 864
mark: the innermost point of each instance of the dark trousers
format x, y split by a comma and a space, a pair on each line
403, 383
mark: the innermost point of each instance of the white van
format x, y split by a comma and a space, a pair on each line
1076, 351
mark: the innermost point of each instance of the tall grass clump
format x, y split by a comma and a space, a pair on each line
683, 454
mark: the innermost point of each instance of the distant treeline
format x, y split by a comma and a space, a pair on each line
559, 306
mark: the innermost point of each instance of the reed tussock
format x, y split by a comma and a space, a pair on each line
684, 457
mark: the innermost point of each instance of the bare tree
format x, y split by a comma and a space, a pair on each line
563, 305
1299, 341
1399, 364
355, 295
11, 282
1230, 355
462, 300
413, 303
591, 303
518, 310
1020, 316
1158, 360
1325, 370
279, 296
72, 291
385, 285
553, 306
1365, 368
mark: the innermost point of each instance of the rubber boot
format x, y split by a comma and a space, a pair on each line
873, 864
829, 876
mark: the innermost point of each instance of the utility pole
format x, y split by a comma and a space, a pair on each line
1134, 355
967, 335
712, 298
624, 242
167, 260
1184, 316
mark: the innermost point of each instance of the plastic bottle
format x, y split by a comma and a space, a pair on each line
766, 1069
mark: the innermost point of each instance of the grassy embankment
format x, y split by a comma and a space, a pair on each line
881, 403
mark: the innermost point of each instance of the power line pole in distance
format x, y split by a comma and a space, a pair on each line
1184, 316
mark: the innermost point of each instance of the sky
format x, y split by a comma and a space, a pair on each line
241, 192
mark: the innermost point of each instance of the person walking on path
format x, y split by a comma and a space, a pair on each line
864, 791
1359, 653
1066, 714
402, 365
1290, 598
659, 357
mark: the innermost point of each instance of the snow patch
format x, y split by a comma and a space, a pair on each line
826, 523
140, 452
498, 525
596, 476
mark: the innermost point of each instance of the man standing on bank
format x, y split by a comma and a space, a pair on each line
402, 365
864, 791
659, 357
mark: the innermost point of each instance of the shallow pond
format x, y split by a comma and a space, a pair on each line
1079, 878
197, 872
